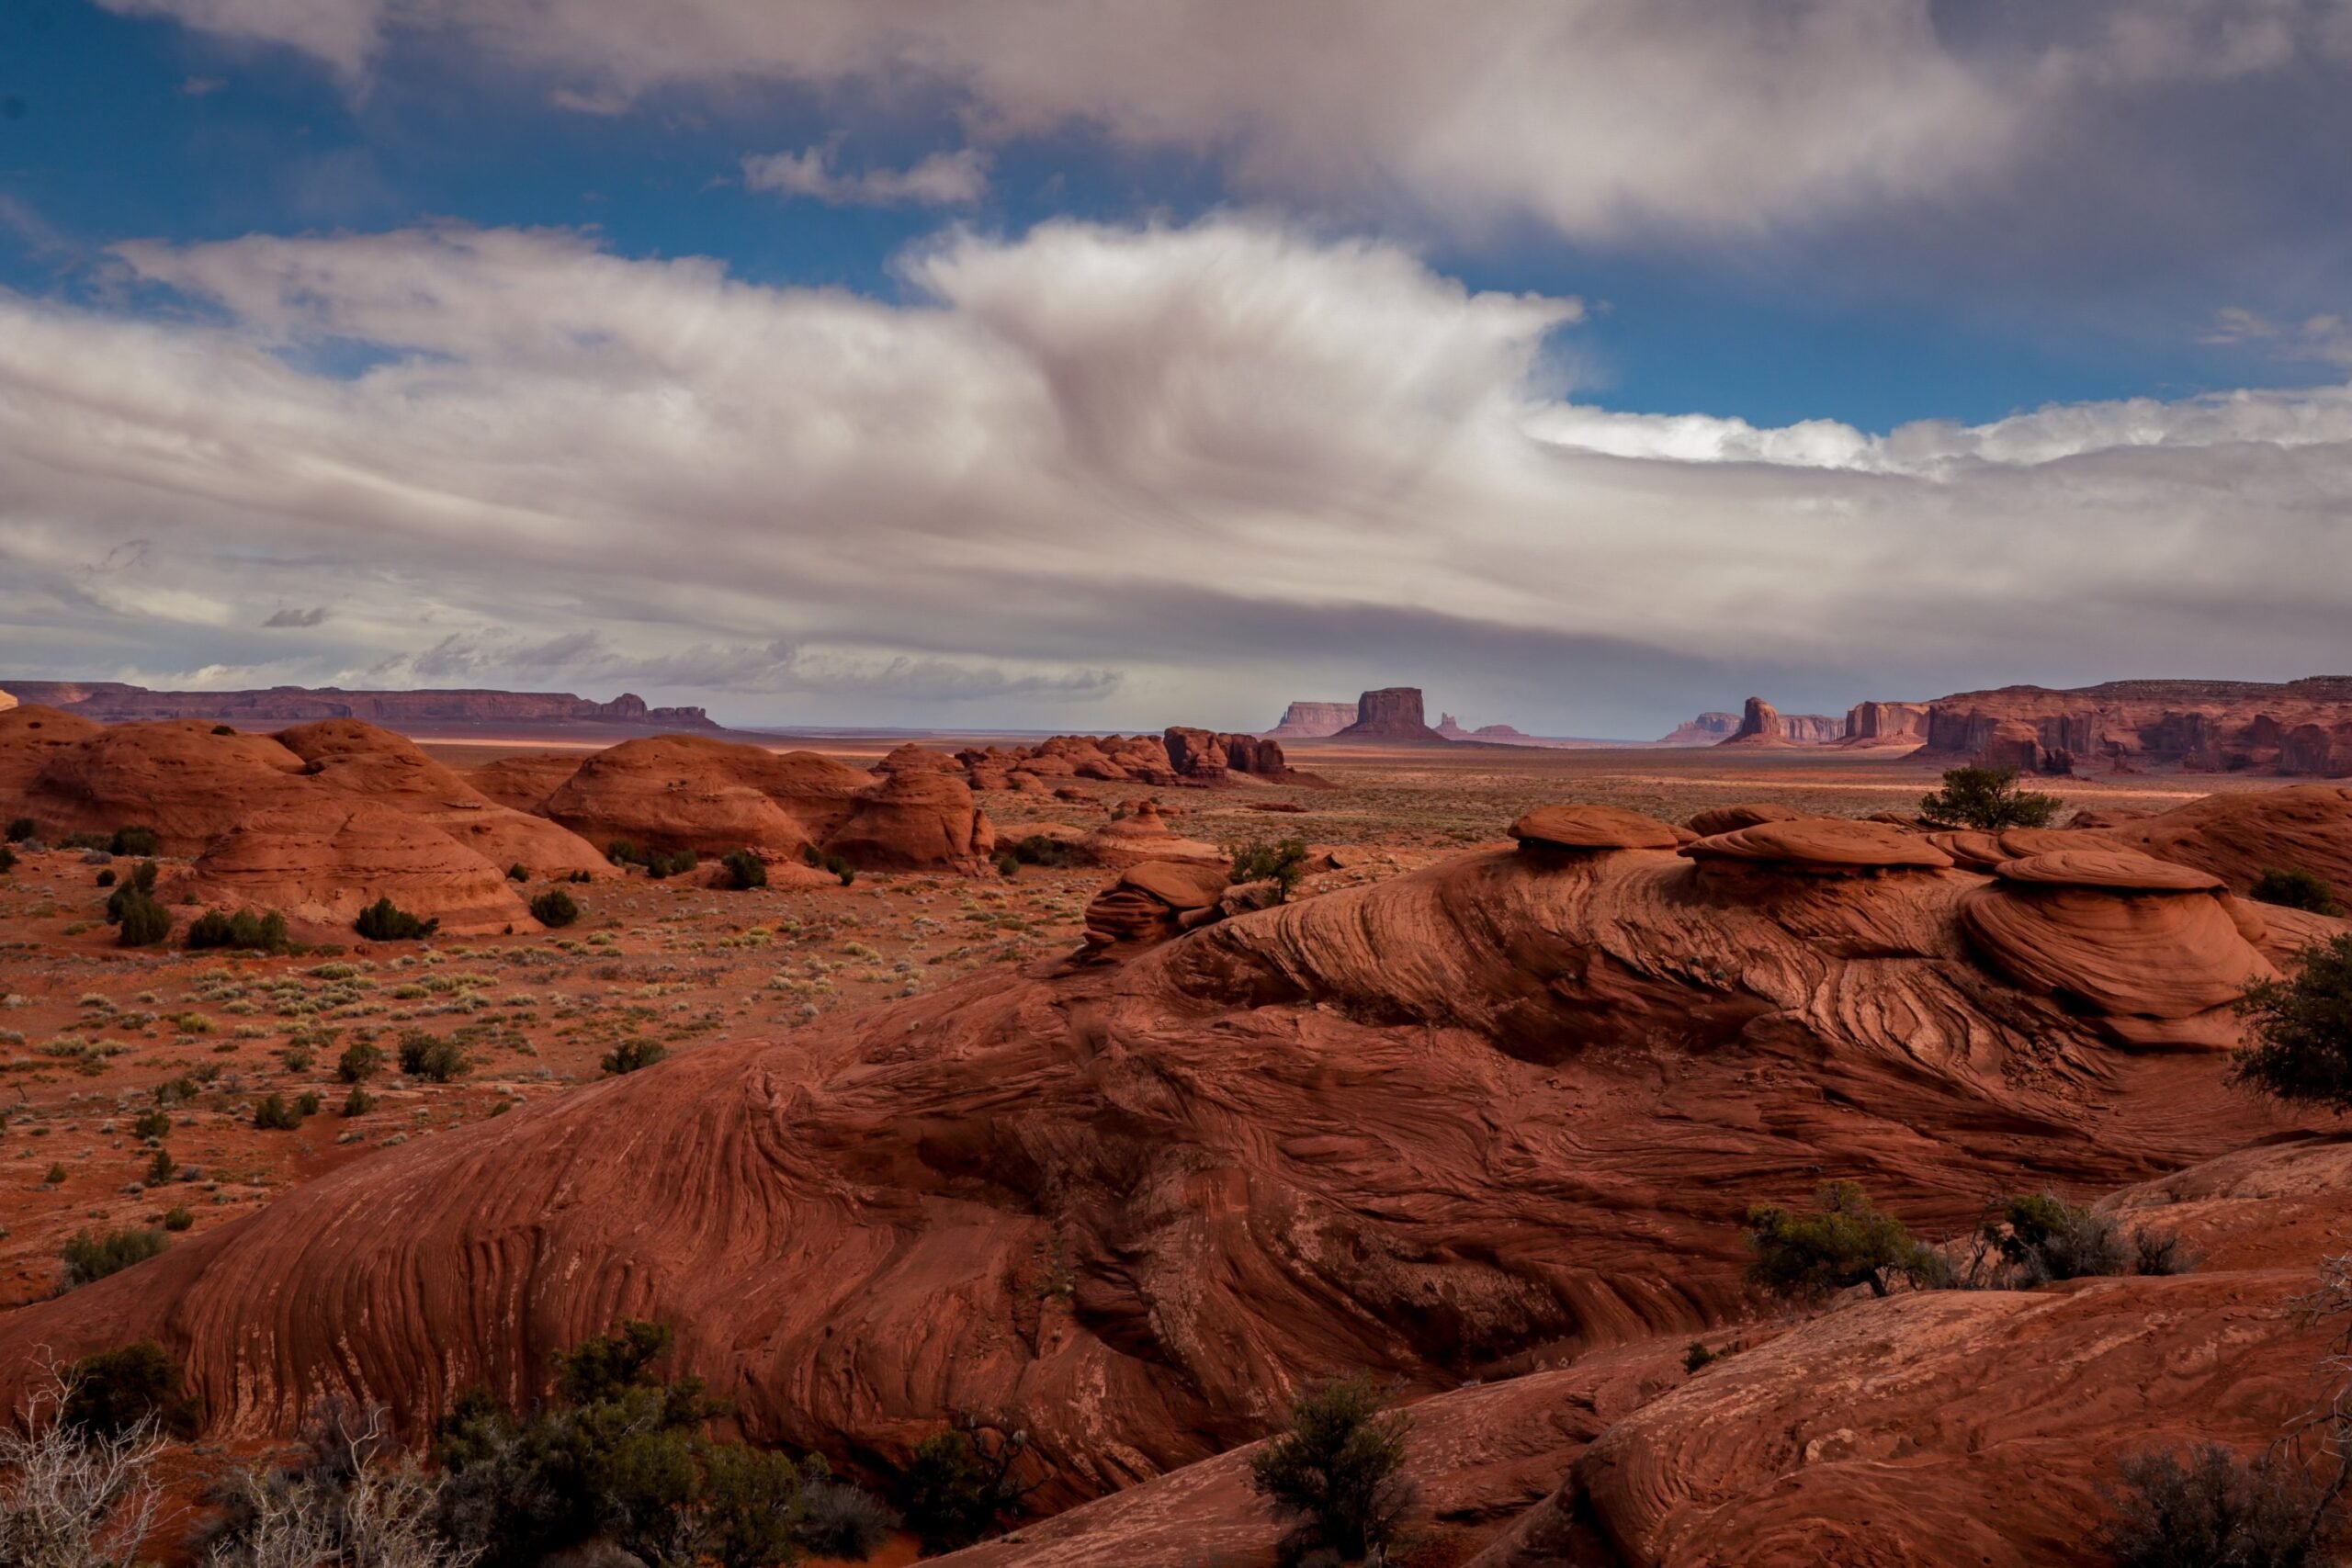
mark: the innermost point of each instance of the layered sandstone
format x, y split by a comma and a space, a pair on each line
2300, 727
1392, 713
686, 792
325, 859
1707, 729
1885, 724
1761, 723
1313, 721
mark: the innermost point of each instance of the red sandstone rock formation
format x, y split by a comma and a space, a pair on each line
525, 782
917, 820
1869, 724
178, 778
1313, 721
1763, 725
1731, 818
111, 702
1707, 729
1511, 1107
1144, 835
683, 791
30, 735
2237, 837
2208, 726
325, 859
1393, 713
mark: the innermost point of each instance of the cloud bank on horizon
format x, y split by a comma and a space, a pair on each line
1100, 468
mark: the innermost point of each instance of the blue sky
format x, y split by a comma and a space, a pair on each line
1988, 216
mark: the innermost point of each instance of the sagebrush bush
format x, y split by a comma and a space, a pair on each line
359, 1062
143, 922
272, 1113
432, 1057
1282, 861
1338, 1473
258, 934
134, 841
745, 871
555, 908
1843, 1241
1041, 849
634, 1053
95, 1255
114, 1390
2302, 1049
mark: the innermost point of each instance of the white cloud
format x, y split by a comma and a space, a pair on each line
1193, 471
941, 179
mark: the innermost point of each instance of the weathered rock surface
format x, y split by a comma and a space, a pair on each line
2303, 727
684, 792
1447, 1126
1141, 835
1313, 721
111, 702
523, 782
1583, 828
1761, 723
1885, 724
1746, 814
916, 819
325, 859
2239, 836
29, 736
178, 778
1393, 713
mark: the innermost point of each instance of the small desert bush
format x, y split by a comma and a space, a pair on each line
957, 1487
1041, 849
555, 908
1842, 1241
272, 1113
359, 1062
430, 1056
1338, 1473
179, 1218
634, 1053
2302, 1049
384, 920
21, 828
516, 872
1989, 799
92, 1256
1282, 861
8, 861
2293, 888
143, 922
152, 1123
134, 841
745, 869
2218, 1510
258, 934
116, 1392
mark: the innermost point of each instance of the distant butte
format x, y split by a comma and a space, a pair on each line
1392, 713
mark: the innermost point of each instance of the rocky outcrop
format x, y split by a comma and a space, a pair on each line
916, 819
683, 791
2298, 728
111, 702
1392, 713
1761, 723
7, 701
325, 859
1492, 734
1885, 724
1205, 757
1141, 833
180, 778
1707, 729
1313, 721
2239, 835
1504, 1112
1159, 899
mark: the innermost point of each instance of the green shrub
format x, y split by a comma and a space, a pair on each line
385, 921
358, 1102
1282, 861
813, 857
624, 852
272, 1114
1338, 1473
1842, 1242
308, 1103
2302, 1049
134, 841
431, 1058
1696, 1355
22, 828
839, 865
359, 1062
104, 879
257, 933
55, 1176
152, 1123
179, 1218
555, 908
517, 873
2219, 1511
745, 871
1041, 849
634, 1053
114, 1392
2293, 888
957, 1487
90, 1255
141, 885
662, 863
143, 923
8, 863
1007, 864
161, 1169
2045, 1238
1989, 799
224, 730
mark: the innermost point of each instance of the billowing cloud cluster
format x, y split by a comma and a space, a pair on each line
1596, 118
1087, 475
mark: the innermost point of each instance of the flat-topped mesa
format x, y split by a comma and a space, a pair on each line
1707, 729
1761, 723
1392, 713
2302, 727
1313, 721
1885, 724
112, 702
